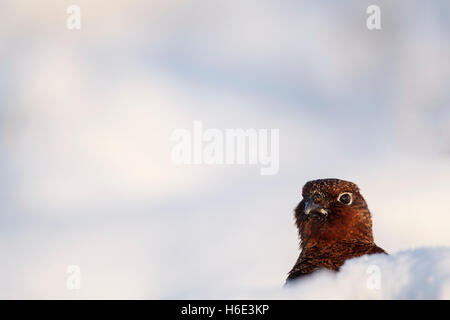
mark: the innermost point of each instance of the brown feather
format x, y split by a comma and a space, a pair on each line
342, 232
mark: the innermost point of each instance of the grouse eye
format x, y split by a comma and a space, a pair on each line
345, 198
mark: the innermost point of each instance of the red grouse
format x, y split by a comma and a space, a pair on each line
334, 224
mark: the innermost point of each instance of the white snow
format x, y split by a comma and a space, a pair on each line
422, 273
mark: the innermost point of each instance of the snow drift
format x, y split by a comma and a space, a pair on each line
422, 273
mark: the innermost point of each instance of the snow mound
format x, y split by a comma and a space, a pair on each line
422, 273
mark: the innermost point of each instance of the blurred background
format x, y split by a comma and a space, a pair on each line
86, 117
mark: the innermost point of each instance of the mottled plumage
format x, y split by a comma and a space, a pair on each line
334, 224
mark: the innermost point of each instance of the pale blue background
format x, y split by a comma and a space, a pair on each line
86, 117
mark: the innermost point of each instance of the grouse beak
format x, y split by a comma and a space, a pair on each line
312, 208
